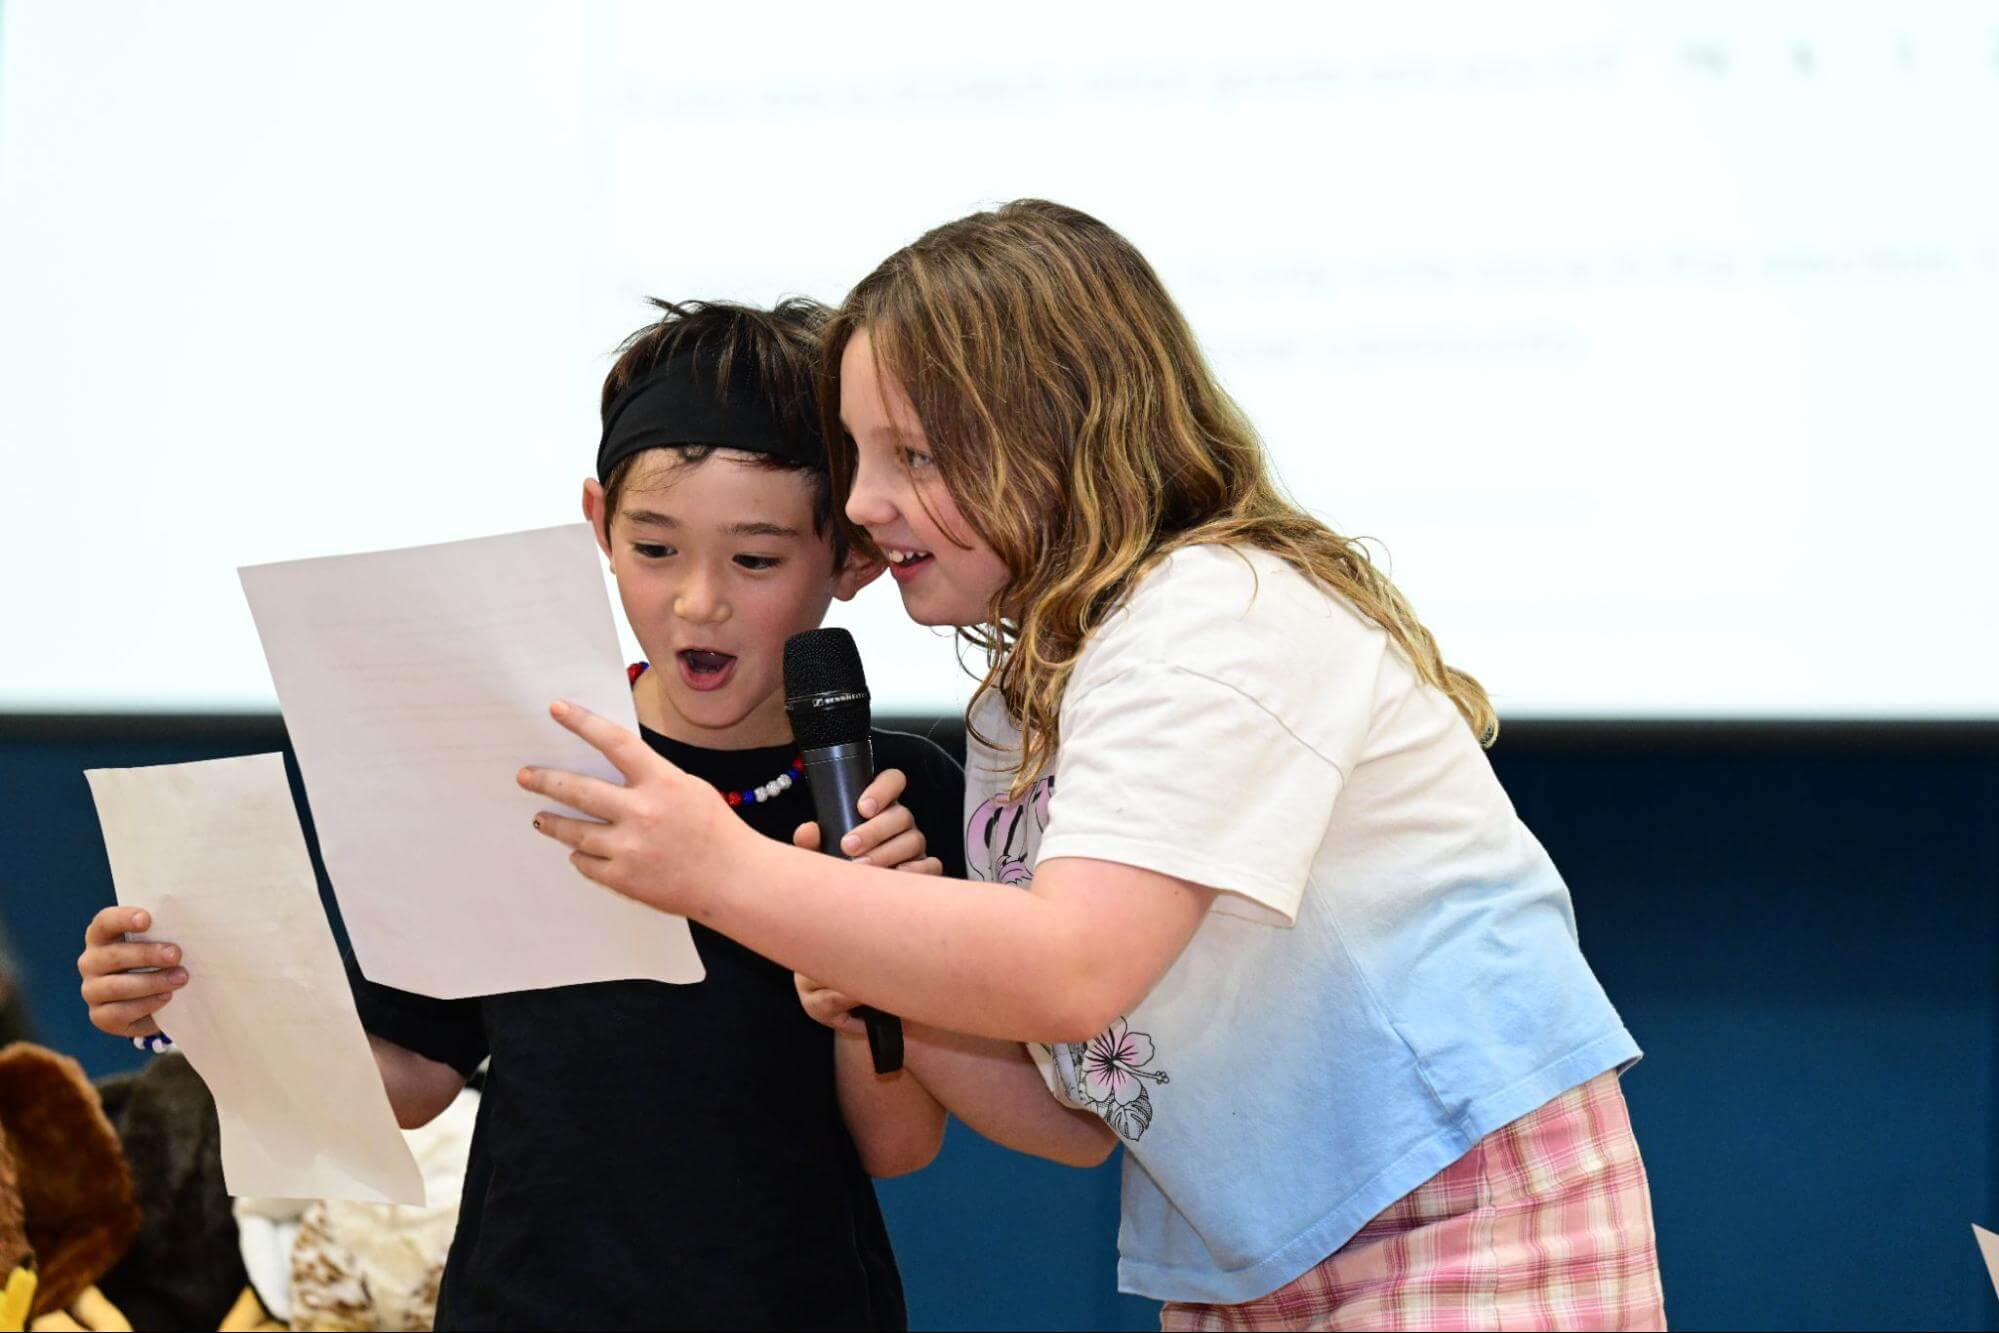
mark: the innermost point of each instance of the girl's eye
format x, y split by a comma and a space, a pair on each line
913, 459
757, 561
652, 550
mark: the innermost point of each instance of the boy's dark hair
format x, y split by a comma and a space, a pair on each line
778, 348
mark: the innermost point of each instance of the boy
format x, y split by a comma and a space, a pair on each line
682, 1156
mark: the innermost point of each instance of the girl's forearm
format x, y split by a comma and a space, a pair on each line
977, 958
994, 1087
896, 1124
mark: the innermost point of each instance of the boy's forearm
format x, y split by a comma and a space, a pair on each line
419, 1088
994, 1087
896, 1125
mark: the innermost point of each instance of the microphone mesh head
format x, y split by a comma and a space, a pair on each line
819, 666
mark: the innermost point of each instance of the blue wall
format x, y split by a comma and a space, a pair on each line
1800, 924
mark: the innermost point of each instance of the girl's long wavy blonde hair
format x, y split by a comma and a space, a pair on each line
1079, 429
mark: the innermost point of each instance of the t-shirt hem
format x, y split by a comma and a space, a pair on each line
1160, 1282
1252, 896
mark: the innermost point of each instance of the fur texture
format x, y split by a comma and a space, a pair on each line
13, 1224
185, 1270
76, 1193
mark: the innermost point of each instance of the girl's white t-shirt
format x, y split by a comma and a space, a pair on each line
1390, 971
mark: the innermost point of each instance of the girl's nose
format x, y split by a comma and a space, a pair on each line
869, 503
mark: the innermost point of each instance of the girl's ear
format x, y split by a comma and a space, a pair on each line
856, 574
593, 513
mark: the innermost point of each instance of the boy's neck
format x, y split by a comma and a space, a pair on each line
764, 725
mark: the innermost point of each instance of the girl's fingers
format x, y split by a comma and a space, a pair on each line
629, 754
593, 796
594, 868
583, 835
806, 836
923, 865
884, 791
104, 959
112, 923
129, 1018
890, 823
132, 986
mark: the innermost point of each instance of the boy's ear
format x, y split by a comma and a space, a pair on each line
856, 574
593, 513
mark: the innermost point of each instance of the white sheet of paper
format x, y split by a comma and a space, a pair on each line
214, 851
415, 684
1988, 1245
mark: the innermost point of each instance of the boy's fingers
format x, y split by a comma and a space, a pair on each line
113, 922
888, 824
902, 847
104, 959
630, 755
806, 836
130, 1018
131, 986
884, 791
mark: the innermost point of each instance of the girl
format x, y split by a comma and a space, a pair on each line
1254, 896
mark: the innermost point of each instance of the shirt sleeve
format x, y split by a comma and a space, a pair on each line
451, 1032
1167, 769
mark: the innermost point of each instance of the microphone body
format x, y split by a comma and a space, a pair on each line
826, 698
838, 774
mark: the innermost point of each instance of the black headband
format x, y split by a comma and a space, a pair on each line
679, 402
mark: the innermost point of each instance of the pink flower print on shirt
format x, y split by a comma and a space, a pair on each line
1111, 1077
1107, 1074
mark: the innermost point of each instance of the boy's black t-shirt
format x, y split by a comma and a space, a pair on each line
656, 1156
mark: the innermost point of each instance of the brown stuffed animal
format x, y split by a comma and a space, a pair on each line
74, 1189
185, 1269
17, 1261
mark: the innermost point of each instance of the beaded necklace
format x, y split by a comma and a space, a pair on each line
763, 791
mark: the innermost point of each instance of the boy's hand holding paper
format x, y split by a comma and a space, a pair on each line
213, 850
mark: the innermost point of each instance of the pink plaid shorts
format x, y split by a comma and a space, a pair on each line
1545, 1224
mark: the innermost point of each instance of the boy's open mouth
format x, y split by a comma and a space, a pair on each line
704, 668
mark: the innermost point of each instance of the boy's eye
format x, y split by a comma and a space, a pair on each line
757, 561
652, 550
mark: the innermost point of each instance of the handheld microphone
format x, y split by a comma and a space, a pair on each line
826, 697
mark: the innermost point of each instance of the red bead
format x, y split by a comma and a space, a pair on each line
735, 797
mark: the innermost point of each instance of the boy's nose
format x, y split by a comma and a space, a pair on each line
701, 603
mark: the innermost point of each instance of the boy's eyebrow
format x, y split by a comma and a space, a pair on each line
747, 529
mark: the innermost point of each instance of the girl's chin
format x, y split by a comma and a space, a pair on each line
923, 605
